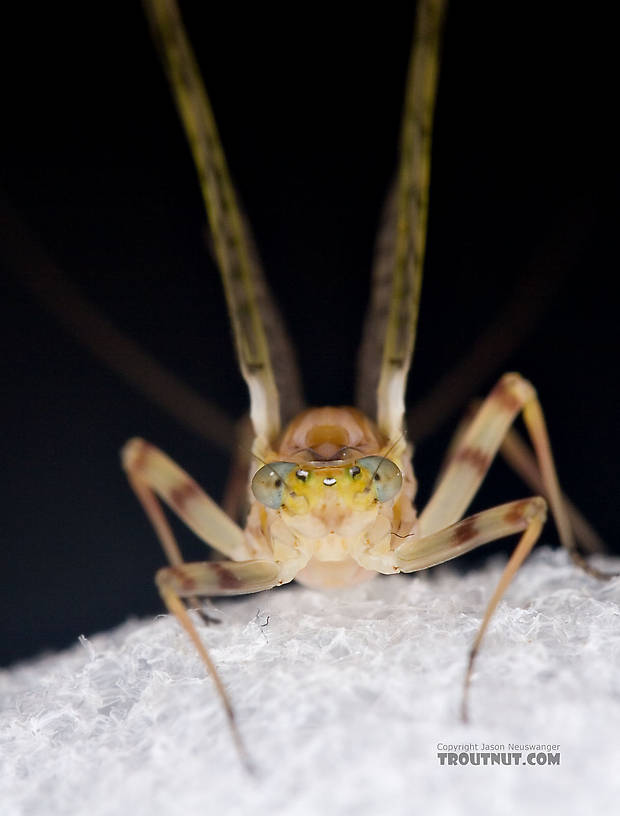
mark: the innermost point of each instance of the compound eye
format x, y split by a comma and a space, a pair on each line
386, 476
268, 483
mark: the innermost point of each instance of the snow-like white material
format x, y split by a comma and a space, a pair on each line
342, 699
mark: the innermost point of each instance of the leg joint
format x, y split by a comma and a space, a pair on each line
133, 454
513, 391
176, 579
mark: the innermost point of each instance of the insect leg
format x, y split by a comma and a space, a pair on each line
522, 461
218, 578
151, 474
214, 578
476, 450
527, 515
520, 458
418, 553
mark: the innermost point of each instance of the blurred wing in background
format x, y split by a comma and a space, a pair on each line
389, 335
258, 331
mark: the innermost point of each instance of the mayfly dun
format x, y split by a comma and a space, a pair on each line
331, 491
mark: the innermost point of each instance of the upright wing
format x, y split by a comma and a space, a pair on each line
389, 334
256, 327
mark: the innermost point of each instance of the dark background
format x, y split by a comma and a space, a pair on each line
308, 109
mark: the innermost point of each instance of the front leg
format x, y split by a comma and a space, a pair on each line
151, 473
475, 451
212, 578
527, 515
215, 578
521, 459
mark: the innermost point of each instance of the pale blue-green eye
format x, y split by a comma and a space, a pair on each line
386, 476
268, 483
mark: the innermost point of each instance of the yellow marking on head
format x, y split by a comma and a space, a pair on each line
347, 486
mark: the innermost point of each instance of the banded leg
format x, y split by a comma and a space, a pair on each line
151, 474
520, 458
214, 578
217, 578
478, 446
527, 515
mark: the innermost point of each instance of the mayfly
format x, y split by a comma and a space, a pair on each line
332, 489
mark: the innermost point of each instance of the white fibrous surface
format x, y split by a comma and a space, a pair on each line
344, 701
